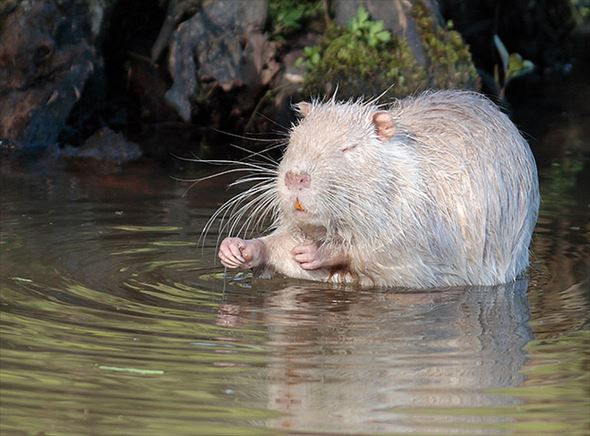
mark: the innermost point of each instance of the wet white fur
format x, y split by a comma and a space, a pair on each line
451, 199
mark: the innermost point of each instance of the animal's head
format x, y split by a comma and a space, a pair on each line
344, 166
333, 152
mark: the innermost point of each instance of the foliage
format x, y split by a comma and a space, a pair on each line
581, 11
513, 65
288, 16
311, 57
362, 59
365, 59
372, 32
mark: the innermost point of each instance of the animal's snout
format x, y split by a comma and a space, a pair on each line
296, 181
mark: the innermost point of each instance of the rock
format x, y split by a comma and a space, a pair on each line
418, 52
104, 146
148, 87
222, 43
46, 57
395, 14
177, 11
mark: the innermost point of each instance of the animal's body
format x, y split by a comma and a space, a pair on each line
437, 190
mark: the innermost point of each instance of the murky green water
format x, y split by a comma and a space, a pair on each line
115, 323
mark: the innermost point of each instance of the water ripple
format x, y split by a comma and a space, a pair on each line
115, 322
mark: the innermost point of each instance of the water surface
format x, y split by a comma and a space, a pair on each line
115, 322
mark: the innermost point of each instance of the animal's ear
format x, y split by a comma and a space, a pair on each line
304, 108
384, 125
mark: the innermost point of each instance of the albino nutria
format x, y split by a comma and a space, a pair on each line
437, 190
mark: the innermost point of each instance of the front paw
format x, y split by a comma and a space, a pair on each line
313, 257
309, 256
241, 253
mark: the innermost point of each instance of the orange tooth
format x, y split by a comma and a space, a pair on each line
298, 205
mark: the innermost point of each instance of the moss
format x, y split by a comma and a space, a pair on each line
364, 59
359, 67
450, 64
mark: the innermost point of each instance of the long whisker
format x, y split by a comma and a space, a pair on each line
265, 187
219, 174
251, 179
229, 162
259, 153
248, 138
256, 217
249, 194
283, 128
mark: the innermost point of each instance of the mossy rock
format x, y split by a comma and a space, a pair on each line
358, 69
450, 64
349, 62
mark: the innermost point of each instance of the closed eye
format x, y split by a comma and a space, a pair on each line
348, 148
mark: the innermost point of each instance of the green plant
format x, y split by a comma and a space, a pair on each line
287, 16
513, 65
361, 31
371, 32
311, 57
362, 58
581, 11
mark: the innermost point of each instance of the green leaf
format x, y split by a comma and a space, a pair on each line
377, 27
363, 15
517, 67
384, 36
503, 52
315, 58
528, 66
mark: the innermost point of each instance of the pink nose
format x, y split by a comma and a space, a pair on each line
297, 181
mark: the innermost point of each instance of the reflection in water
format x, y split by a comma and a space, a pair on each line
113, 323
380, 361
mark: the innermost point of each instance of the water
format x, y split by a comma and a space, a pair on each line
114, 322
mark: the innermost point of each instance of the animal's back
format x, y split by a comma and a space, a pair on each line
481, 181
